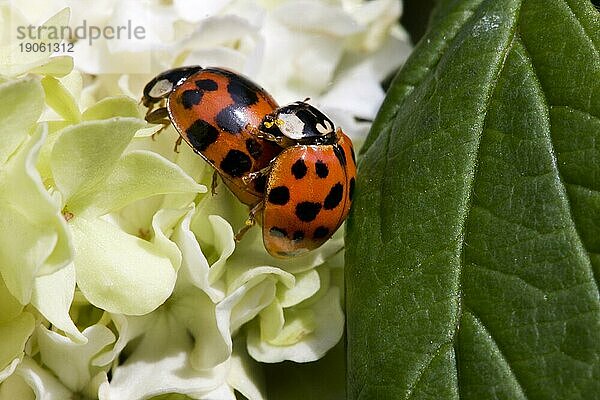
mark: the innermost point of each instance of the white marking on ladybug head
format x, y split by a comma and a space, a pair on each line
161, 88
325, 128
292, 126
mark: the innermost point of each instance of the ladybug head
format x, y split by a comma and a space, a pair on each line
164, 83
299, 123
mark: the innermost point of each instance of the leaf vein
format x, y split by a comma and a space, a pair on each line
581, 249
578, 110
501, 353
538, 290
580, 25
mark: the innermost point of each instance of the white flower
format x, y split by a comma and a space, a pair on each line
335, 52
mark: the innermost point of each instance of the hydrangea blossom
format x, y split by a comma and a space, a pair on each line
119, 274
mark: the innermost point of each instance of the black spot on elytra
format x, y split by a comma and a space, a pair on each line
254, 148
191, 98
307, 211
201, 134
278, 232
229, 119
241, 93
206, 84
321, 169
351, 189
334, 197
339, 153
298, 236
279, 195
236, 163
260, 183
320, 232
299, 169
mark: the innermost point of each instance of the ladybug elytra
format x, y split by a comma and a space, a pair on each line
217, 112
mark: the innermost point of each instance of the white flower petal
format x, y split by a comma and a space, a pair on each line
41, 383
116, 106
194, 11
250, 253
245, 375
194, 268
160, 365
244, 304
13, 61
8, 371
33, 234
307, 284
128, 328
85, 154
314, 330
196, 312
305, 62
315, 16
118, 272
139, 175
9, 305
60, 99
254, 291
15, 387
223, 243
21, 104
272, 321
223, 392
70, 361
53, 295
58, 66
219, 31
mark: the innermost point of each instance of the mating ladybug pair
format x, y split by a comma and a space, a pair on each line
289, 164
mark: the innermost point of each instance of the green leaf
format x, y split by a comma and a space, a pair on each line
473, 245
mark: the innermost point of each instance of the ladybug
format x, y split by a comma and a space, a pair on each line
289, 164
217, 112
310, 183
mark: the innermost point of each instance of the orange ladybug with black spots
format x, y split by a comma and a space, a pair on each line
217, 112
289, 163
310, 184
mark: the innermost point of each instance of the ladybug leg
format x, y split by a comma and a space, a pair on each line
249, 222
213, 183
177, 142
158, 116
269, 137
264, 135
249, 177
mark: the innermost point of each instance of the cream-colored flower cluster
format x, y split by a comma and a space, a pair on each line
119, 274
